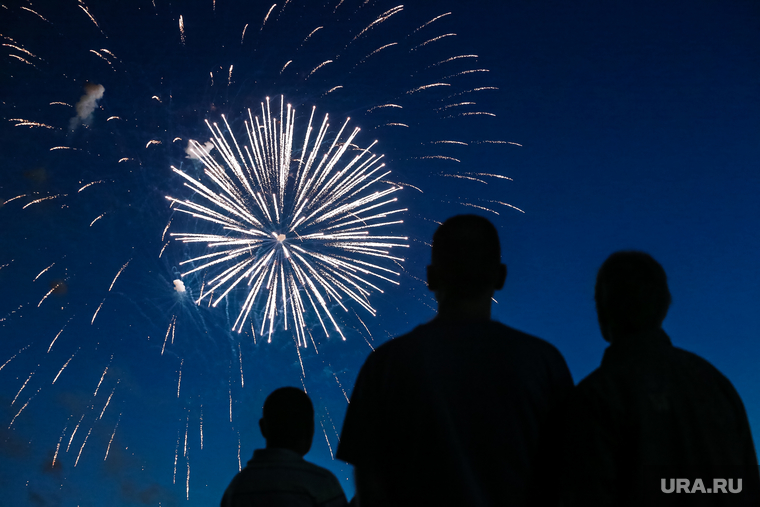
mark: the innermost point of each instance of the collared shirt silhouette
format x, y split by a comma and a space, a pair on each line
458, 411
652, 411
278, 476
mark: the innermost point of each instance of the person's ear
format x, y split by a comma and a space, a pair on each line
433, 279
502, 277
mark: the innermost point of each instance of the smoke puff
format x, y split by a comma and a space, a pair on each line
87, 104
192, 149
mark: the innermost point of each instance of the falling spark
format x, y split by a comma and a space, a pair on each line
383, 106
229, 77
471, 71
437, 157
182, 30
170, 329
90, 184
312, 33
74, 433
240, 463
318, 67
96, 311
22, 409
383, 17
22, 387
43, 199
425, 87
179, 381
341, 388
152, 141
58, 446
474, 113
176, 455
506, 204
49, 292
267, 16
24, 60
41, 272
117, 274
431, 21
491, 175
375, 52
240, 358
13, 356
102, 377
327, 440
242, 37
97, 218
450, 142
84, 8
64, 366
455, 105
450, 59
201, 427
230, 393
108, 449
82, 448
14, 198
108, 401
29, 123
36, 13
434, 39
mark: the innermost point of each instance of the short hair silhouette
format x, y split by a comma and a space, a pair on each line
632, 291
465, 250
289, 417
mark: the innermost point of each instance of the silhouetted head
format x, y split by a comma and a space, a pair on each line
288, 420
631, 295
466, 259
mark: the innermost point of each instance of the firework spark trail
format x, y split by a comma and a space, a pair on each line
73, 433
179, 380
97, 218
22, 409
341, 388
82, 448
108, 449
41, 272
297, 227
43, 199
201, 427
58, 446
65, 365
92, 322
23, 386
50, 292
13, 356
327, 440
108, 401
102, 376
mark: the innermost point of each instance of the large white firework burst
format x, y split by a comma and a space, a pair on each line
295, 222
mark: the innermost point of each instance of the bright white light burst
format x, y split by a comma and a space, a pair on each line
296, 230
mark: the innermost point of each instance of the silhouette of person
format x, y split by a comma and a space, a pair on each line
278, 476
652, 414
459, 410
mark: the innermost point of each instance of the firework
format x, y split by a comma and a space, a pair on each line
297, 231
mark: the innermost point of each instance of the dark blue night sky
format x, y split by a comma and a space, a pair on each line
637, 127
